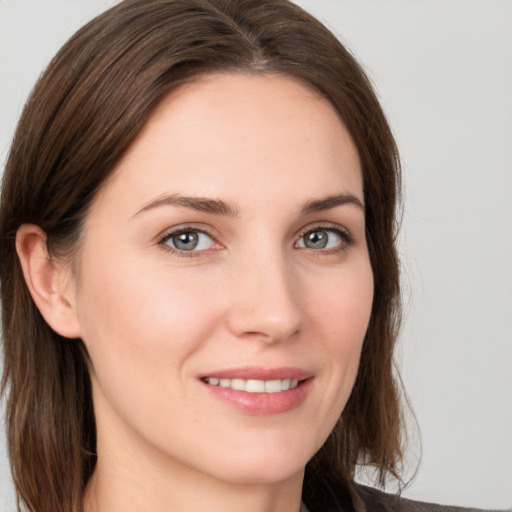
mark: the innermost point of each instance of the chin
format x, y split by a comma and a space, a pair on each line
265, 473
260, 464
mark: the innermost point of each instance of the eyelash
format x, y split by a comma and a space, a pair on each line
162, 241
346, 237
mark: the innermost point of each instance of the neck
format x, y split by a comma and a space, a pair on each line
131, 490
142, 480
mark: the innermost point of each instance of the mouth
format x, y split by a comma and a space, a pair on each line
254, 385
259, 391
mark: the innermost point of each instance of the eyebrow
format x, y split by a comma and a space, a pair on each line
219, 207
202, 204
326, 203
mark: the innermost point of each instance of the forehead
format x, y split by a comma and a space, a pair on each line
259, 132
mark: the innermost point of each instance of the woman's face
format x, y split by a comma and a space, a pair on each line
227, 252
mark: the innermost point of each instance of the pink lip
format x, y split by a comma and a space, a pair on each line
257, 373
262, 404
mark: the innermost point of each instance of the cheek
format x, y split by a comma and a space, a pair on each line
141, 332
343, 305
342, 314
135, 321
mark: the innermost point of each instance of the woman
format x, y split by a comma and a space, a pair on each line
199, 278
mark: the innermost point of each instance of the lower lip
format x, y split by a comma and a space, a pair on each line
263, 404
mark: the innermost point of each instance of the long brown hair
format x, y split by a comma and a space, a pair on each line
81, 117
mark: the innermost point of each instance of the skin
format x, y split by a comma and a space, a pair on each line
155, 320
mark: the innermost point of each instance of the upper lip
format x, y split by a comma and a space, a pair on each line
259, 373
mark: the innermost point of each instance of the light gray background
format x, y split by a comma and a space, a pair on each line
443, 70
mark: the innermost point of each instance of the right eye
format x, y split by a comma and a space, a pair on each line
188, 240
321, 239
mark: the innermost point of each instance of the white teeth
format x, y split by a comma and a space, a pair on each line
254, 386
238, 384
272, 386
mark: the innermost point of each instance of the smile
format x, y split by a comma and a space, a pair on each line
259, 391
253, 385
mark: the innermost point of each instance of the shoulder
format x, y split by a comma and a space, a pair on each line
327, 492
366, 499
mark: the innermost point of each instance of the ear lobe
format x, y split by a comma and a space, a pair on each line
48, 281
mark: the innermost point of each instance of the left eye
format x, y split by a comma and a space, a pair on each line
189, 240
321, 239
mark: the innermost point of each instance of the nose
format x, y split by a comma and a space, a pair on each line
265, 301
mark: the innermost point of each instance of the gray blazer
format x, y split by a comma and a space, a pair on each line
353, 497
366, 499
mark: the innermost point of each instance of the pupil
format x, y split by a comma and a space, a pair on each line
317, 240
186, 241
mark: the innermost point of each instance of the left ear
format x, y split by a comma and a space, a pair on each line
49, 281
